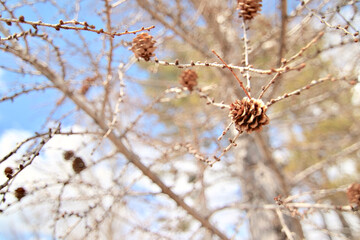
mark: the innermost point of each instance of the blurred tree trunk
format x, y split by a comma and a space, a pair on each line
260, 184
346, 229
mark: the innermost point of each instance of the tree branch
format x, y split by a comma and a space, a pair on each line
131, 156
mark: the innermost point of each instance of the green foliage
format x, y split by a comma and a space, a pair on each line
187, 108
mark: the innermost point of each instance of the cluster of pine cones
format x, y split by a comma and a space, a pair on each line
77, 163
20, 192
143, 45
247, 114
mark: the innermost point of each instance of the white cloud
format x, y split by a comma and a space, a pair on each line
10, 138
225, 221
48, 168
222, 193
8, 141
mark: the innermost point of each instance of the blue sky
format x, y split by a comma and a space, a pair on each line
28, 112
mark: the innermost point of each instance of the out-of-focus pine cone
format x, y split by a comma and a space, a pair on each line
86, 84
353, 194
8, 172
20, 193
78, 165
143, 46
68, 155
188, 78
248, 9
248, 114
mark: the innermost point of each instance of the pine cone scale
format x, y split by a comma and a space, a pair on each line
254, 125
264, 120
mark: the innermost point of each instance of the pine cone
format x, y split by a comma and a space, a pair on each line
68, 155
188, 79
86, 84
143, 46
353, 194
78, 165
20, 193
248, 114
249, 8
8, 172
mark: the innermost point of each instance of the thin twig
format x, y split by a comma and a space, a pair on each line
65, 25
303, 49
298, 91
320, 165
218, 65
344, 29
25, 91
210, 101
246, 52
225, 150
285, 228
239, 81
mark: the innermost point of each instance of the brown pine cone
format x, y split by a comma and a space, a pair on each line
78, 165
249, 8
188, 78
86, 84
353, 194
8, 172
143, 46
68, 155
20, 193
248, 114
